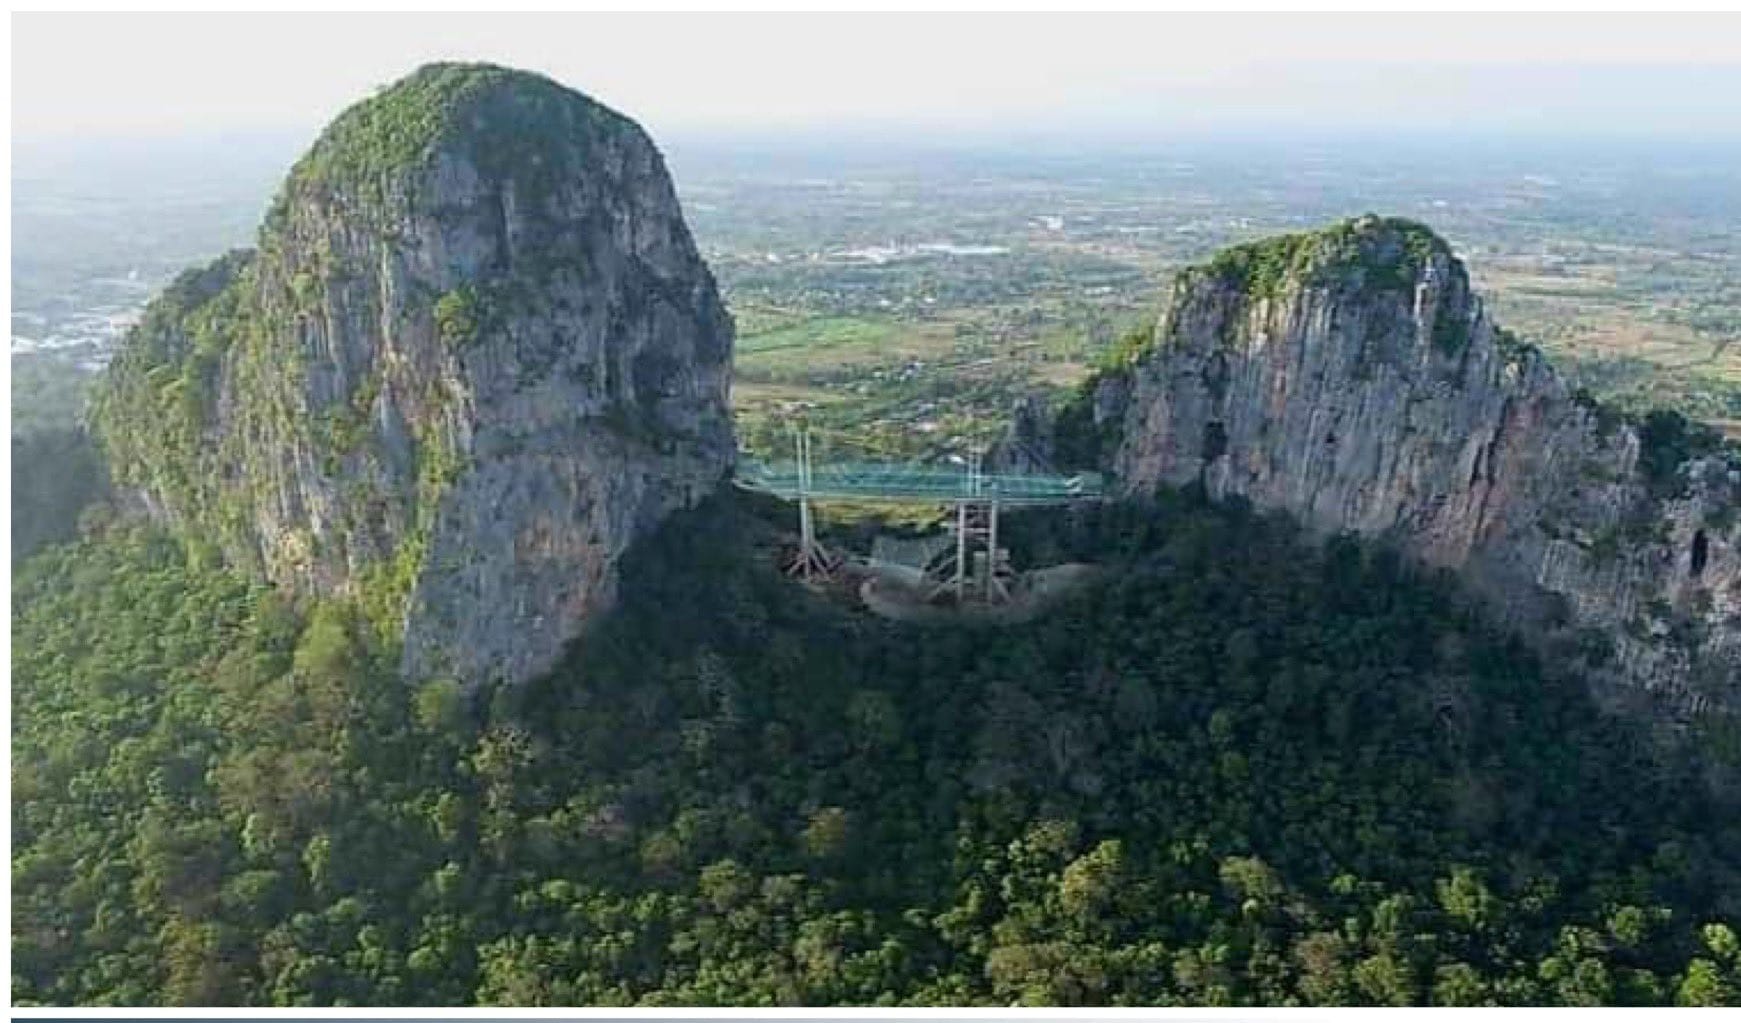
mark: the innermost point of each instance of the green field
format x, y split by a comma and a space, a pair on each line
812, 335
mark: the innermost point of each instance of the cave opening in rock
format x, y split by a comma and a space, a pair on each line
1701, 553
1214, 440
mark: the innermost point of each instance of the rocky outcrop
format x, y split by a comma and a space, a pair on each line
475, 355
1350, 377
1030, 442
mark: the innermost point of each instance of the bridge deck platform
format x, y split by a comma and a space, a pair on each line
896, 483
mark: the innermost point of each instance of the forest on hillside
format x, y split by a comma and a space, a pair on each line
1247, 767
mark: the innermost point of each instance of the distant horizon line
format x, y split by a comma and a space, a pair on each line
944, 138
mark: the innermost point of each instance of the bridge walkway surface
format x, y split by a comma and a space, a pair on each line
900, 483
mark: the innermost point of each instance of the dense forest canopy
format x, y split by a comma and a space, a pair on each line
57, 472
1244, 768
1241, 765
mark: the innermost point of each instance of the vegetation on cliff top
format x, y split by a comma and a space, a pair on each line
510, 122
1370, 251
1381, 254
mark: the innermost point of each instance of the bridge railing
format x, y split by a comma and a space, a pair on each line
883, 481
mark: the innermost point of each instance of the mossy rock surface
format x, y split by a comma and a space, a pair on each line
507, 123
1369, 251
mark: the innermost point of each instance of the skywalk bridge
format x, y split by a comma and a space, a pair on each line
887, 483
979, 570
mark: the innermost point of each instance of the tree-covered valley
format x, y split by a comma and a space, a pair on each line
396, 625
1245, 768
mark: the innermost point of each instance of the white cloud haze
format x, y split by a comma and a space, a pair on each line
96, 75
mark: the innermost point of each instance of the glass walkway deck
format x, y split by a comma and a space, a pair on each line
898, 483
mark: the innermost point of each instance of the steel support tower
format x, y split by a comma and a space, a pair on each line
982, 568
814, 562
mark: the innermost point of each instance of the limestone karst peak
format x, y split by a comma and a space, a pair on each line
1349, 376
476, 354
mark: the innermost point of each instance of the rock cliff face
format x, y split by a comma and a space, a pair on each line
1350, 377
474, 356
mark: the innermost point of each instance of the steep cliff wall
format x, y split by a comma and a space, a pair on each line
1350, 377
474, 356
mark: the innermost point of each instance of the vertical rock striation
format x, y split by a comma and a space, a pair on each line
1350, 377
474, 356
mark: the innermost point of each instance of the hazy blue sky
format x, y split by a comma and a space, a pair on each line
1142, 75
